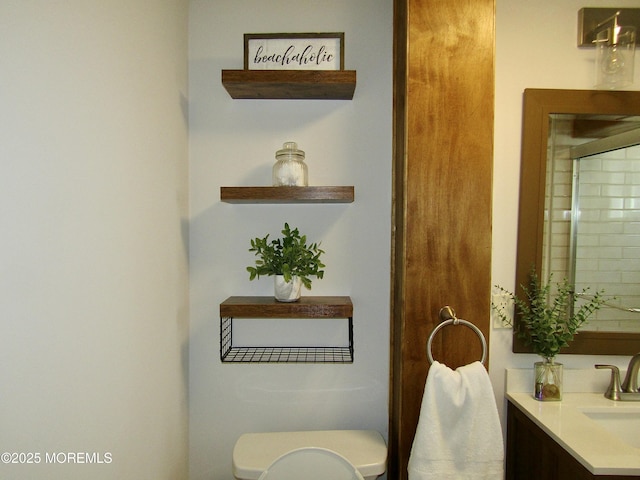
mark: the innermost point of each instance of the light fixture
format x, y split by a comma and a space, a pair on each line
613, 33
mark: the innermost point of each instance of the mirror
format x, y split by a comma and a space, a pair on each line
554, 121
598, 222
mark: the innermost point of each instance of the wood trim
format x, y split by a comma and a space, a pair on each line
396, 445
443, 128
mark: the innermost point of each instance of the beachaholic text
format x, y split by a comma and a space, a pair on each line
293, 54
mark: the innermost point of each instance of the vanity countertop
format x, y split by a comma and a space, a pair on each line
600, 451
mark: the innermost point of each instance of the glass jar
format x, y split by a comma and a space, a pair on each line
548, 381
290, 169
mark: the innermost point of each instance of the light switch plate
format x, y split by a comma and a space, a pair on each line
503, 301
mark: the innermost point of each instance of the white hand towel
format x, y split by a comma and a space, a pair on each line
459, 434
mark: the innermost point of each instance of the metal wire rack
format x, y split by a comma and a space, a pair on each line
317, 307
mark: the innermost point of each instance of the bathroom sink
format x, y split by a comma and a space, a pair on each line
600, 433
624, 423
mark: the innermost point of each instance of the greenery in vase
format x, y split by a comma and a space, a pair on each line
548, 323
288, 256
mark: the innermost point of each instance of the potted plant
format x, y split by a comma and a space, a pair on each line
290, 259
548, 321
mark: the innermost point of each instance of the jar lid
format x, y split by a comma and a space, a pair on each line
290, 148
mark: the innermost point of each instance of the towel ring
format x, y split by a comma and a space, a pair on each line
449, 318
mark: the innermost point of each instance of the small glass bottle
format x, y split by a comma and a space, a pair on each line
290, 169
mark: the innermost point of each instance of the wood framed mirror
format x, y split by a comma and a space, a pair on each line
598, 111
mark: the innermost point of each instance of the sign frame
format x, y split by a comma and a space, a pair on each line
294, 51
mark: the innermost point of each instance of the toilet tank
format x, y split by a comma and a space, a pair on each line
364, 449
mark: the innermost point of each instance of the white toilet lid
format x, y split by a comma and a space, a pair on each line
364, 449
311, 463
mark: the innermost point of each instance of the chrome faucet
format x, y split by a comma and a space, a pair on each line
628, 390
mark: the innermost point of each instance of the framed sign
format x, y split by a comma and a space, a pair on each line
294, 51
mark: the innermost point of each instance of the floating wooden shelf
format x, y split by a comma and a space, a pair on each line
268, 307
339, 194
290, 84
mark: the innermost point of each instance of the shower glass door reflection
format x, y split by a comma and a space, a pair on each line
604, 240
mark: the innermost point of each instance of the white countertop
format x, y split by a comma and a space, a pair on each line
600, 451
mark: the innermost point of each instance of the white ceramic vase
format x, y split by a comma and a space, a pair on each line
287, 291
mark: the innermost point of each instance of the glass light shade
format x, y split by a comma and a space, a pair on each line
615, 52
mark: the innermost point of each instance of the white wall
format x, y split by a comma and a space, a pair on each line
535, 48
93, 294
92, 166
232, 142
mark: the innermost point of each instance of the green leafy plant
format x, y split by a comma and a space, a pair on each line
548, 322
288, 256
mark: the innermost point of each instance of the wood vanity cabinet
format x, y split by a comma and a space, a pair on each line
532, 454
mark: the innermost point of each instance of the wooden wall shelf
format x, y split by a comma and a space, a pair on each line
335, 194
268, 307
290, 84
